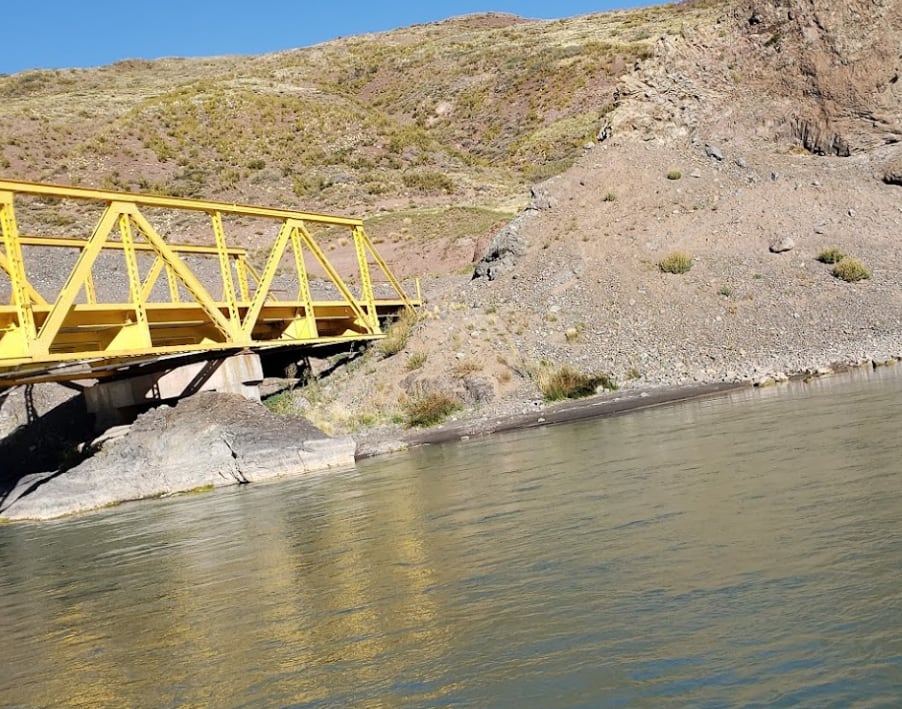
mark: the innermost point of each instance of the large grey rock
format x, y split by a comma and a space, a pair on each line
540, 199
784, 243
206, 440
713, 152
503, 252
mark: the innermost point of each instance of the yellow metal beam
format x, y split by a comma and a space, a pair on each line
72, 242
225, 270
41, 341
66, 297
334, 276
144, 200
21, 293
184, 274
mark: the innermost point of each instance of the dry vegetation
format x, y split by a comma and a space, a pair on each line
464, 112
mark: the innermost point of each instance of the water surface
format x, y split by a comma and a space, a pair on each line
740, 551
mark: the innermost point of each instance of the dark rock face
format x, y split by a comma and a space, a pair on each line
206, 440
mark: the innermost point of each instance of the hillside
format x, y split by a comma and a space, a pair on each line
724, 130
466, 112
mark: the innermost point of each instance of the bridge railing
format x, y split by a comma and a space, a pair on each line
231, 305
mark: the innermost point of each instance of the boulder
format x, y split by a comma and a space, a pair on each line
206, 440
893, 173
502, 253
785, 243
713, 152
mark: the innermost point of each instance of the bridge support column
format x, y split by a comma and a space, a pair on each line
120, 401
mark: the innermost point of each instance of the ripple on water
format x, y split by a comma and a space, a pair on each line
744, 550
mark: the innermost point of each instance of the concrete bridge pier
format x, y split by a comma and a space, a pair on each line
120, 401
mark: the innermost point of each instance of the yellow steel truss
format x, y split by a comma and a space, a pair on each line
75, 335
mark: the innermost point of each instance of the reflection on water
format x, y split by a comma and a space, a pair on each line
735, 551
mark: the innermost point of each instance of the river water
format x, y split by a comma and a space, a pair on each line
739, 551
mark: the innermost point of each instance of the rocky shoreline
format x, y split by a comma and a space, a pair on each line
213, 440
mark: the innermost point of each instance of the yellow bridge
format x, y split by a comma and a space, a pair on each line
212, 299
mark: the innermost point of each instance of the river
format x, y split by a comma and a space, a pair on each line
744, 550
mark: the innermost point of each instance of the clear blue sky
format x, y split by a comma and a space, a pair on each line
81, 33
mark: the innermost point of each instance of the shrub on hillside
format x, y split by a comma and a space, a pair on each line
851, 270
567, 383
830, 256
430, 408
676, 262
397, 334
429, 182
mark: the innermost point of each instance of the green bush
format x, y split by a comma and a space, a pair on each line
830, 256
676, 262
851, 270
674, 175
567, 383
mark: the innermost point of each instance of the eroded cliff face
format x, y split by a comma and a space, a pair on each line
832, 66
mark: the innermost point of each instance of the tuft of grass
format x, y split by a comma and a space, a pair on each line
429, 409
851, 270
567, 383
725, 291
467, 366
280, 403
417, 360
610, 197
397, 334
831, 256
676, 262
674, 175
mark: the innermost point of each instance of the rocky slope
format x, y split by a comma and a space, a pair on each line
576, 281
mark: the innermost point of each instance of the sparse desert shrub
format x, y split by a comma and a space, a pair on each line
397, 334
674, 175
725, 291
428, 409
429, 182
851, 270
417, 360
567, 383
256, 164
831, 255
280, 403
610, 197
676, 262
467, 366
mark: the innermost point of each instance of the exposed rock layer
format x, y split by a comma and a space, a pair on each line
207, 440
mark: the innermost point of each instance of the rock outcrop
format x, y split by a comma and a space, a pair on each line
206, 440
835, 64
